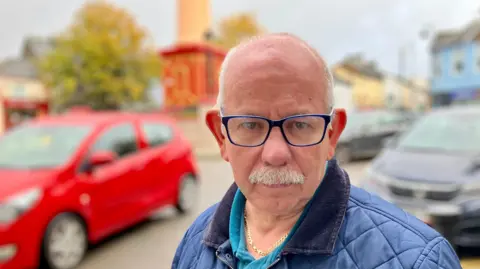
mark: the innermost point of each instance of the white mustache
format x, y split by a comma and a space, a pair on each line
269, 176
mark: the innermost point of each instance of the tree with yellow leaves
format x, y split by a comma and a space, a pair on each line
235, 28
103, 60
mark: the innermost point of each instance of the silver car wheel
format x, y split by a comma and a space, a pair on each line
188, 195
66, 242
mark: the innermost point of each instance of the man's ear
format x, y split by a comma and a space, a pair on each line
214, 123
338, 125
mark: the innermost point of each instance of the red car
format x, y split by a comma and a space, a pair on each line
71, 180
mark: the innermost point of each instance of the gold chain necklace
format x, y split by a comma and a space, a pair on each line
257, 250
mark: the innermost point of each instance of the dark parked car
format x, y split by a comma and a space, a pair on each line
433, 171
365, 133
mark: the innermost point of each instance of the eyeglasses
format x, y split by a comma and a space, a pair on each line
299, 130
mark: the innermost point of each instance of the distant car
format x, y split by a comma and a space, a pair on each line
74, 179
365, 133
433, 171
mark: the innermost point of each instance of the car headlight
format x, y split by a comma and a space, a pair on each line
375, 177
14, 206
376, 183
471, 188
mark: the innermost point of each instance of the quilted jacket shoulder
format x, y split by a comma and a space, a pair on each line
191, 245
377, 234
374, 235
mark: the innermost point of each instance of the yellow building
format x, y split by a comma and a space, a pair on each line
406, 94
367, 85
421, 95
415, 96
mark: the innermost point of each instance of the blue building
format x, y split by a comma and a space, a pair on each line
456, 66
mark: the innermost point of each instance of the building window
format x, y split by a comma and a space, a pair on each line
437, 66
458, 61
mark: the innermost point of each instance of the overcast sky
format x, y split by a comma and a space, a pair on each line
378, 28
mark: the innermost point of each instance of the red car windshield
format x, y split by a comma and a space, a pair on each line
40, 146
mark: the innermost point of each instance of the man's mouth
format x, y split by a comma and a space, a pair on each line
276, 186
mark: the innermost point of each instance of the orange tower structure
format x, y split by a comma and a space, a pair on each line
191, 65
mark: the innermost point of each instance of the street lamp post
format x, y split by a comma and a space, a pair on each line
209, 65
424, 34
402, 67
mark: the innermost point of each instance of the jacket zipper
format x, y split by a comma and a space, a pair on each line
273, 263
224, 261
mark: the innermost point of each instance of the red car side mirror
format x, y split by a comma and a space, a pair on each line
102, 157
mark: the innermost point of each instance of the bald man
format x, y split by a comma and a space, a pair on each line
291, 205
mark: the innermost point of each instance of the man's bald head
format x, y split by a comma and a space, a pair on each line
288, 52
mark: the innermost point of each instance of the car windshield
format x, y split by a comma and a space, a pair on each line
40, 146
441, 132
356, 120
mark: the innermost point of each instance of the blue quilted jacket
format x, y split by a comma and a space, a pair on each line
345, 228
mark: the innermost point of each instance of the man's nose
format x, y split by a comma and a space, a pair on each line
276, 151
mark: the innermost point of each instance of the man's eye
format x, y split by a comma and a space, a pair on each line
249, 125
301, 125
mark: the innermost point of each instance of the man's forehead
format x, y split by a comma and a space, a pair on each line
275, 50
274, 60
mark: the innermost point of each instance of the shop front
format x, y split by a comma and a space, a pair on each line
21, 100
457, 96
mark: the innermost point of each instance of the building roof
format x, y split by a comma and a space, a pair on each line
357, 63
23, 68
364, 70
340, 80
37, 46
449, 38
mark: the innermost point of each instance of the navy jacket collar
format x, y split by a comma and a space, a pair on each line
318, 231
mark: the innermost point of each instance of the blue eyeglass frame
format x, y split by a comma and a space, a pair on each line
277, 123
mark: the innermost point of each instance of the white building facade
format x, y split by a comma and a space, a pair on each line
343, 94
393, 92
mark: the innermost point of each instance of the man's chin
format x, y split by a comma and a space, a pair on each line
275, 203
